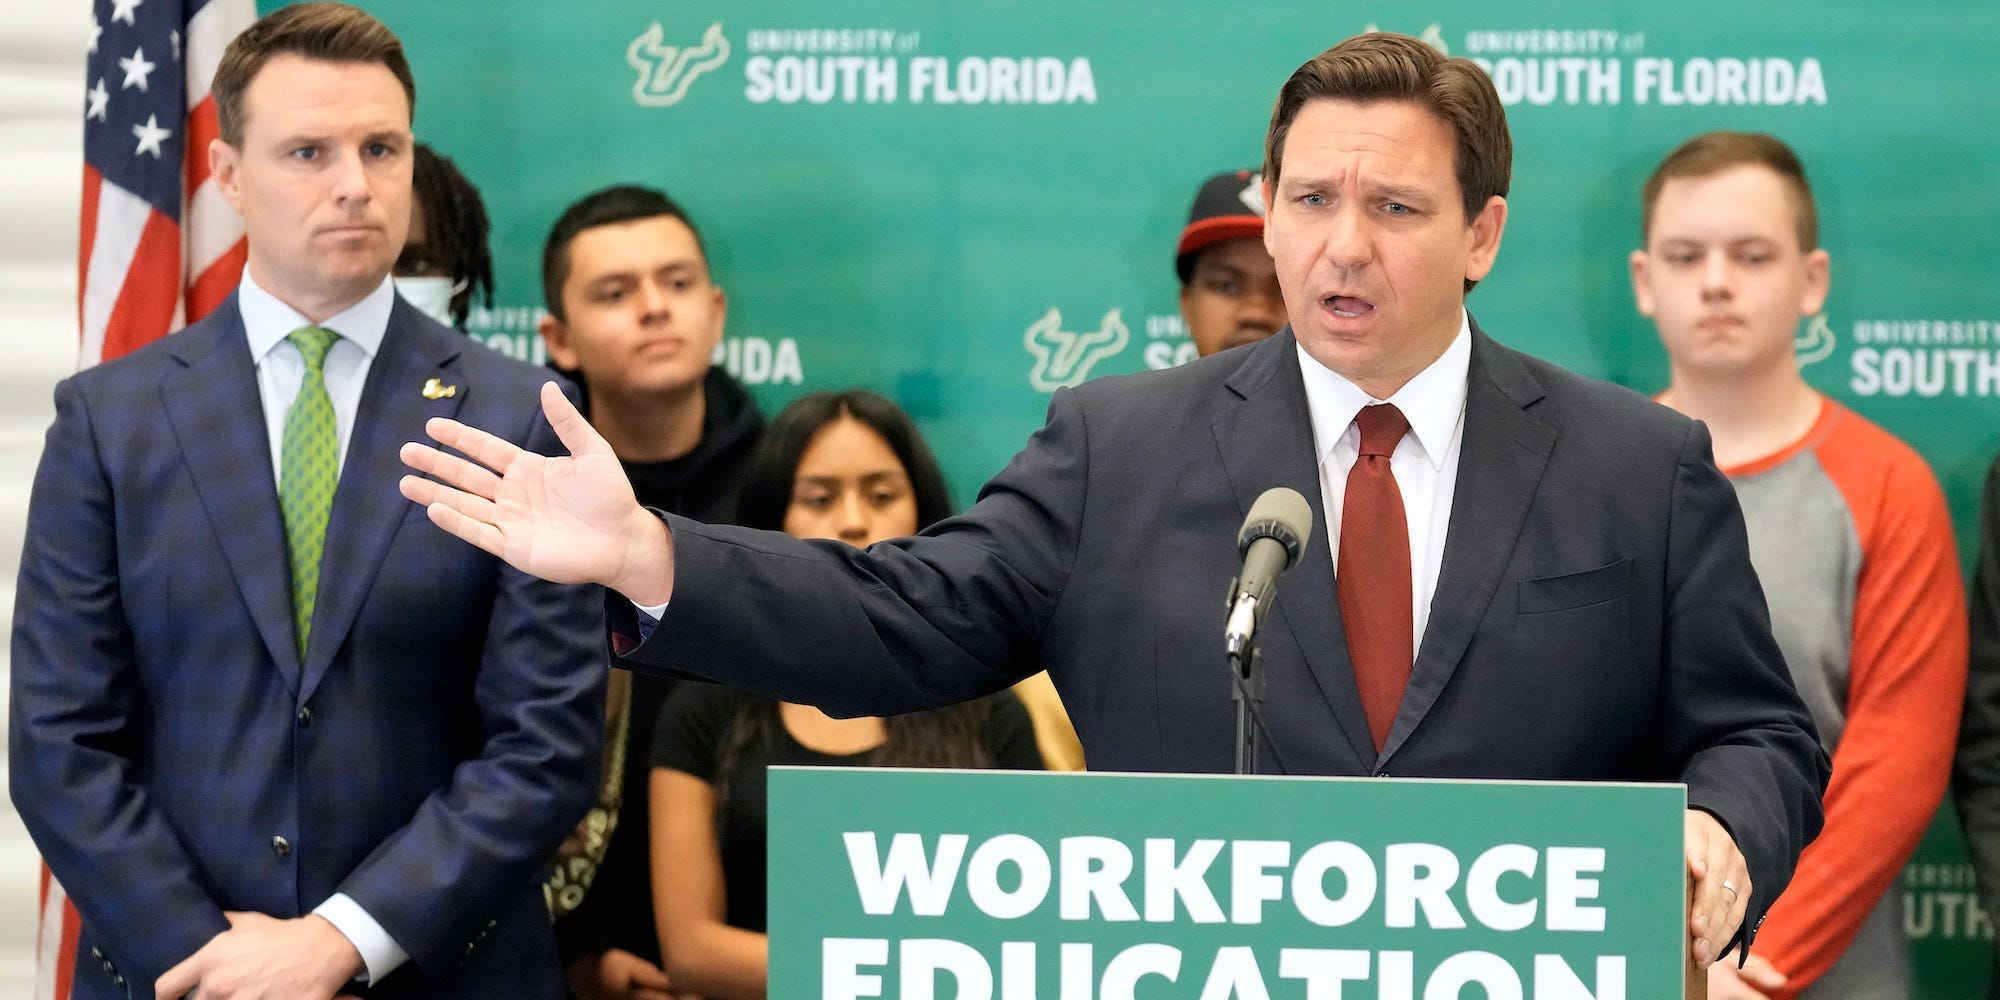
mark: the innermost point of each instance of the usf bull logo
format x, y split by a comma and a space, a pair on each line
1816, 343
1064, 358
666, 72
1433, 36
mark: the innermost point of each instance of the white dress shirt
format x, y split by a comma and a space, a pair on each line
280, 368
1425, 462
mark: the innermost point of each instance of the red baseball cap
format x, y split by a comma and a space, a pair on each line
1229, 206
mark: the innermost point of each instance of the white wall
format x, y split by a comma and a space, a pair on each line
41, 162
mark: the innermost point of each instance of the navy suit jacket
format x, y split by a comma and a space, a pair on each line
172, 755
1596, 614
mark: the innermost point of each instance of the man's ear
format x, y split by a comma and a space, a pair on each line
555, 335
1486, 229
718, 321
223, 161
1819, 281
1269, 193
1642, 291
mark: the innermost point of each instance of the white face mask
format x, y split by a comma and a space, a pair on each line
432, 295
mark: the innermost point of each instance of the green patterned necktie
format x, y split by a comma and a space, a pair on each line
309, 471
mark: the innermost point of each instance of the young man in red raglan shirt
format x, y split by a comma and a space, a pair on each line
1849, 535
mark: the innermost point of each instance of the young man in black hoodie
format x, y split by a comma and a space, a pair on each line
634, 317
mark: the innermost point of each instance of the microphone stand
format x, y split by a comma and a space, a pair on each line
1248, 675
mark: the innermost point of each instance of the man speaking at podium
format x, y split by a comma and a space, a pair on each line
1516, 572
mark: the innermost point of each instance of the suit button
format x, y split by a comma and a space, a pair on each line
281, 847
305, 717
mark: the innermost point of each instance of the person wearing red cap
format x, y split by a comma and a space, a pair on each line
1229, 286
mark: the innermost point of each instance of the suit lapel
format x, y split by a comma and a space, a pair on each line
1501, 459
367, 509
217, 415
1266, 441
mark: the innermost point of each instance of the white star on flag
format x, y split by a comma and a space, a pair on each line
96, 32
136, 69
150, 135
99, 99
124, 10
175, 37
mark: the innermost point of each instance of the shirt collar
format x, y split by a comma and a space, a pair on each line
268, 321
1432, 401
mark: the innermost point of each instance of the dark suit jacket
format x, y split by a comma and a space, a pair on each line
438, 740
1596, 616
1976, 772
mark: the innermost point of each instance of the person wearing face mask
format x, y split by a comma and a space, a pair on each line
849, 467
445, 263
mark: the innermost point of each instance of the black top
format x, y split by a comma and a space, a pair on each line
618, 911
693, 728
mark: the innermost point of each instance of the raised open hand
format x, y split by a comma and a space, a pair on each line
568, 519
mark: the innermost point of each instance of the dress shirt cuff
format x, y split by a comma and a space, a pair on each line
649, 617
379, 952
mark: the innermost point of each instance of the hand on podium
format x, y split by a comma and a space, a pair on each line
567, 519
1721, 886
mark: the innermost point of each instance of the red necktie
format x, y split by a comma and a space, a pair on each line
1373, 574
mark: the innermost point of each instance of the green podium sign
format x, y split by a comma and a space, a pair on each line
1035, 886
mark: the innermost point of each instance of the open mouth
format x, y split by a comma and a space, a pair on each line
1348, 307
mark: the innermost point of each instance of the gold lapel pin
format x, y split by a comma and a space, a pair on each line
436, 389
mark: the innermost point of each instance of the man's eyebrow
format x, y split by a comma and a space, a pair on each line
1400, 193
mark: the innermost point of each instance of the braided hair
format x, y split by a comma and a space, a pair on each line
456, 229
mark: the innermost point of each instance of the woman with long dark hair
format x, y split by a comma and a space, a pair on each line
849, 466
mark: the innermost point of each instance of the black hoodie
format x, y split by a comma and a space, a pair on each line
617, 912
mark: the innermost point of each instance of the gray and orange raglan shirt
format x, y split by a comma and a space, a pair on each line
1853, 543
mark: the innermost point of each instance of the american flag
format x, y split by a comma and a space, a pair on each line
160, 245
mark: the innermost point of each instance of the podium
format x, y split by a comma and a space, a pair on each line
994, 885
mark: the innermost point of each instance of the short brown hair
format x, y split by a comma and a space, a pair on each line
1711, 153
329, 32
1380, 66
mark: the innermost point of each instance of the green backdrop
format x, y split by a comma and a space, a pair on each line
895, 191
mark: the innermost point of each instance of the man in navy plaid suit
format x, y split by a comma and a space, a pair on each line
261, 771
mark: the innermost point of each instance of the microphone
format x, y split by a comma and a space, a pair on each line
1273, 535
